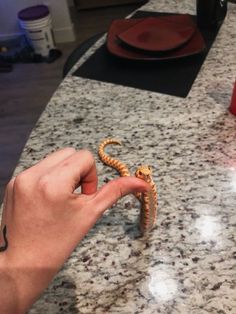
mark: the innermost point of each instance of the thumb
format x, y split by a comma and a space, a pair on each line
111, 192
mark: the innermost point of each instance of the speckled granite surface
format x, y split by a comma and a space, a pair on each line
188, 263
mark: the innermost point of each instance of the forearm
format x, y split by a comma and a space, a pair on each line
20, 287
9, 299
9, 302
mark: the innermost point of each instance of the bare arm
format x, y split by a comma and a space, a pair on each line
46, 219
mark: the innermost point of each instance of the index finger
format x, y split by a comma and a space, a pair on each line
77, 169
50, 161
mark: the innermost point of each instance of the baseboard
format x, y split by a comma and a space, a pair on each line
65, 34
10, 36
61, 35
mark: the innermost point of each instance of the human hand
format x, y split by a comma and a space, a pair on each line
46, 220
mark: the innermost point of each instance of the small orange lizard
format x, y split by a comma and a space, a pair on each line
148, 200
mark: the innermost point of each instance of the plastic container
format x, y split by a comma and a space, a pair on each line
37, 24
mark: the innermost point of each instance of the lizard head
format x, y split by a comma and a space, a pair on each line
144, 172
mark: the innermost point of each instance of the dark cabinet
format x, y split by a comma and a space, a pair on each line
86, 4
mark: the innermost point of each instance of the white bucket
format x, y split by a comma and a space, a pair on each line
40, 35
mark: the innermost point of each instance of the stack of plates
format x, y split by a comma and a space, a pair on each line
155, 38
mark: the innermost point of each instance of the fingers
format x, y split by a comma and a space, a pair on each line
66, 169
52, 160
93, 206
114, 190
79, 167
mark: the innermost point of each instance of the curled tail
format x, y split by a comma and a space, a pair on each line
112, 162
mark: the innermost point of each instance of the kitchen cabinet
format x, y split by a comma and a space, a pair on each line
87, 4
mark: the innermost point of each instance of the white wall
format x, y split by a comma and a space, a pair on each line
62, 25
8, 15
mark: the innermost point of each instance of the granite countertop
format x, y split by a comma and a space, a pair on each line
188, 263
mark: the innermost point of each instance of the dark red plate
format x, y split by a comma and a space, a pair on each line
194, 46
158, 33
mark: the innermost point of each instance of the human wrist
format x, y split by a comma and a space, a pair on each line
21, 283
9, 293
